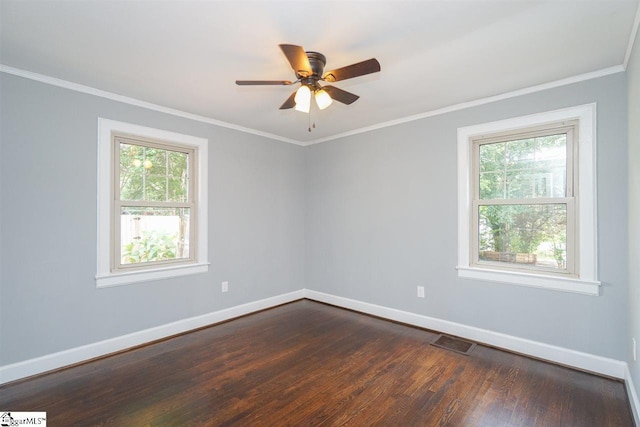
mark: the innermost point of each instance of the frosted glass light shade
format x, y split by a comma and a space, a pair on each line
303, 99
323, 99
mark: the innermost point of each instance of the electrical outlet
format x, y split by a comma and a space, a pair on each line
225, 286
635, 352
420, 291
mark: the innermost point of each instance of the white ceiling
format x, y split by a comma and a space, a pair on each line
186, 55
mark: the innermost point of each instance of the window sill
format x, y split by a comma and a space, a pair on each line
563, 284
118, 279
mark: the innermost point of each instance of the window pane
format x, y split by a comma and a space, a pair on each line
178, 173
524, 235
153, 234
155, 187
153, 174
524, 168
131, 172
178, 190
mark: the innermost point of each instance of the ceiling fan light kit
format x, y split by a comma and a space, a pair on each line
303, 99
309, 70
323, 99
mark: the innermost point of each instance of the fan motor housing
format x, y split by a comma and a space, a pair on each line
317, 62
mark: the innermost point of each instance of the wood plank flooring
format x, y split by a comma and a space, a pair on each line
309, 364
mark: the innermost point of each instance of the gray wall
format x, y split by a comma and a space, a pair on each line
367, 217
48, 223
381, 218
633, 81
2, 114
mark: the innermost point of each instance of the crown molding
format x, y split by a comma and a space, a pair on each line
632, 38
136, 102
482, 101
457, 107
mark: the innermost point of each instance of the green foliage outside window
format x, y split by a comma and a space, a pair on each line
151, 246
153, 174
522, 228
522, 170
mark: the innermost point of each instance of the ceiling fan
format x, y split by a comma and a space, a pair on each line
309, 69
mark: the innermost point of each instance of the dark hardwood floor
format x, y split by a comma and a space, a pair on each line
305, 364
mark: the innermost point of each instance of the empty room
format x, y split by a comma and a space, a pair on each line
297, 213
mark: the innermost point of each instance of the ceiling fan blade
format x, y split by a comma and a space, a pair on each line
341, 95
298, 59
289, 103
354, 70
262, 82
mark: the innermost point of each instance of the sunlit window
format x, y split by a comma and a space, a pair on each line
153, 201
527, 202
152, 204
523, 199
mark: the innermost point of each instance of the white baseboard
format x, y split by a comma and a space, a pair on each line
71, 356
564, 356
633, 396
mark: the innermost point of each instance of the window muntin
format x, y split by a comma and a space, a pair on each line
523, 207
154, 203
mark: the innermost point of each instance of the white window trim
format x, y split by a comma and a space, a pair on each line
587, 281
105, 277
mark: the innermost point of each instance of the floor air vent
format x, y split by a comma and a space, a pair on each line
454, 344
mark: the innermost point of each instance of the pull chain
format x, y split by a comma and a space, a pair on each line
314, 123
309, 117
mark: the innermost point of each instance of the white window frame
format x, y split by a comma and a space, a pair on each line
585, 280
108, 276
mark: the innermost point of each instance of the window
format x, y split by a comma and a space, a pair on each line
152, 218
154, 199
527, 201
523, 207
